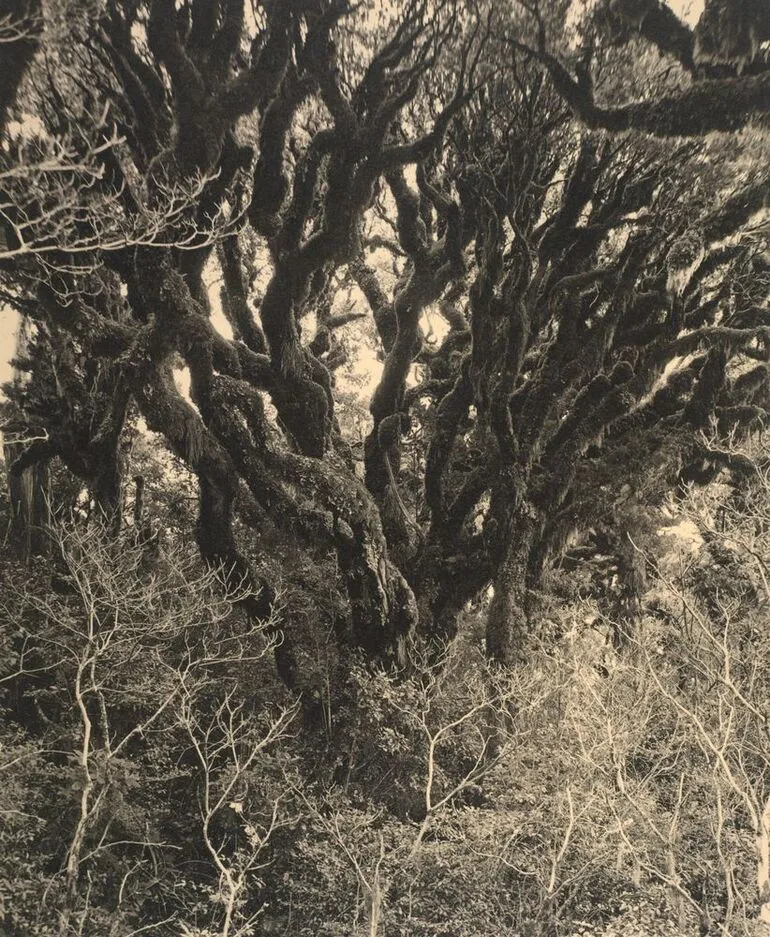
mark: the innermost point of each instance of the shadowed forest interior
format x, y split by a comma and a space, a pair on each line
384, 502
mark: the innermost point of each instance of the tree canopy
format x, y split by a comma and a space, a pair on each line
195, 188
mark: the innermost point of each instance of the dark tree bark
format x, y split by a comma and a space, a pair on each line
551, 401
21, 26
433, 263
29, 496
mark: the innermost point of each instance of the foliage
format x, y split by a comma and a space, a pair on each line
505, 701
157, 774
127, 688
217, 223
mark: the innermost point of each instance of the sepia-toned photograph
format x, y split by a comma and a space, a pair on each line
385, 468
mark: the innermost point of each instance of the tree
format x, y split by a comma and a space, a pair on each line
175, 108
602, 300
580, 340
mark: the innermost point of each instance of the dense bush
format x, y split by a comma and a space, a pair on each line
140, 711
158, 776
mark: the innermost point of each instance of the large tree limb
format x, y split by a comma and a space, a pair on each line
724, 104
